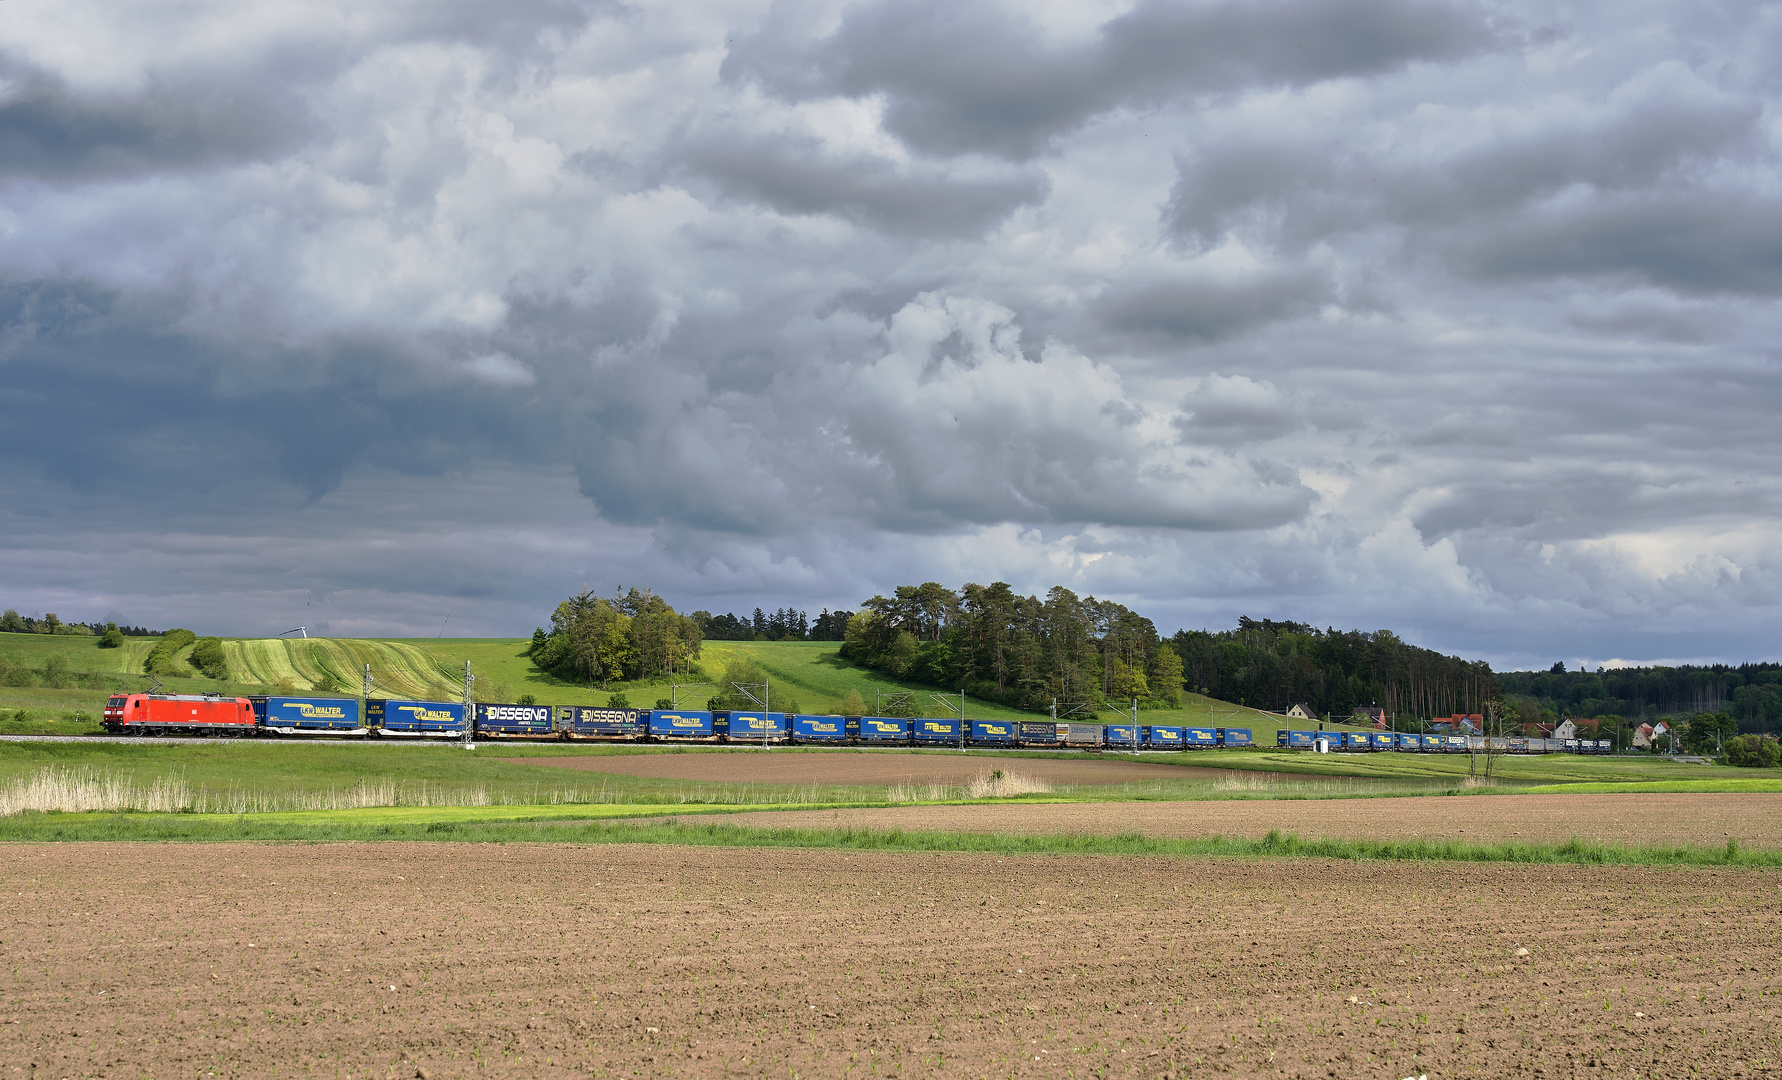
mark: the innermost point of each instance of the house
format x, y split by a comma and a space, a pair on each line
1369, 714
1302, 711
1643, 736
1566, 729
1460, 723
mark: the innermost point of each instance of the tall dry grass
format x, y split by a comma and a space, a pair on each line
73, 789
989, 784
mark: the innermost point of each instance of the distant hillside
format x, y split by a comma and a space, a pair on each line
810, 674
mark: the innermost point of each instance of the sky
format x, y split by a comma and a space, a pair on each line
1457, 319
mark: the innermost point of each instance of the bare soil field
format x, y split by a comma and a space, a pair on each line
441, 960
794, 767
1634, 819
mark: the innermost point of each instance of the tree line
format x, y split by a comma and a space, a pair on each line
1017, 650
785, 624
1751, 694
1276, 665
11, 622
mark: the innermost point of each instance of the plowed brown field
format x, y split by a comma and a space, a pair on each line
1633, 820
528, 960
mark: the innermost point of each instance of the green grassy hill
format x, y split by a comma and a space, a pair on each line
808, 674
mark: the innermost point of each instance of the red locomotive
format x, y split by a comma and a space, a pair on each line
179, 714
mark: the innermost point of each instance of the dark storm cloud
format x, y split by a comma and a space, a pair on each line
1663, 128
49, 131
797, 175
972, 77
1203, 311
1691, 242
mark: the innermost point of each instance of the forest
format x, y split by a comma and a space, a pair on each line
1275, 665
1750, 693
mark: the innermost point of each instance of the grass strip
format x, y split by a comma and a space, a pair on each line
352, 826
1730, 786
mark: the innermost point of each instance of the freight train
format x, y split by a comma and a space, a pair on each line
162, 715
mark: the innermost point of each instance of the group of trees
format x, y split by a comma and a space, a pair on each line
1750, 693
1275, 665
786, 624
1018, 650
632, 635
11, 622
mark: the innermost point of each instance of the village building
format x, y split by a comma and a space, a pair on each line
1301, 711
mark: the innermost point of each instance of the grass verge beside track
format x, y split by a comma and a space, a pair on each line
540, 827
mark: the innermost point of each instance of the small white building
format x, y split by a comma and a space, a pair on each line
1301, 711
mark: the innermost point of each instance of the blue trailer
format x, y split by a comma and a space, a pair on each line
514, 722
748, 727
1124, 735
1200, 738
1165, 737
308, 715
1043, 733
415, 719
587, 722
679, 725
1281, 736
1234, 736
935, 731
1408, 741
1431, 742
994, 733
819, 729
884, 730
1299, 740
1381, 740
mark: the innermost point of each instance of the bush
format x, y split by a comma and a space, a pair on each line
207, 657
1754, 752
56, 673
112, 638
527, 699
618, 701
160, 658
664, 703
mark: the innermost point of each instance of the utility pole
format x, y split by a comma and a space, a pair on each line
748, 690
469, 708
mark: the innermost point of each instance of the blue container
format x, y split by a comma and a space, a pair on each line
1235, 736
515, 721
1299, 740
746, 727
1166, 737
820, 729
1126, 735
1430, 742
994, 733
1408, 741
936, 732
1381, 740
308, 715
1040, 733
415, 718
1355, 740
884, 729
1200, 737
677, 724
587, 722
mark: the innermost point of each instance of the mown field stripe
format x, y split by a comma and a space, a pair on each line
194, 828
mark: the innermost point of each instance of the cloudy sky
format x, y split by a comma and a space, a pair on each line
1454, 318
